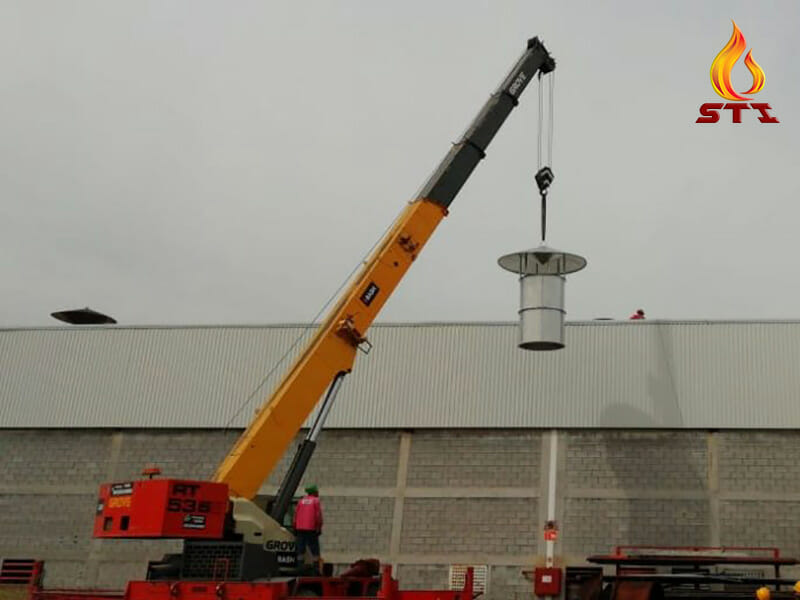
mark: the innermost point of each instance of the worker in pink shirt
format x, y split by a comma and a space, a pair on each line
639, 314
308, 525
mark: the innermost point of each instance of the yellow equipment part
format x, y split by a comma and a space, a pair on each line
332, 350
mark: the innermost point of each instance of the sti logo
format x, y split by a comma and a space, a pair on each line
721, 82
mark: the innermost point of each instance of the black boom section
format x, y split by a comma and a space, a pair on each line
457, 166
292, 480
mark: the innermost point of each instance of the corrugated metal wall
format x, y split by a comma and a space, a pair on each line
612, 374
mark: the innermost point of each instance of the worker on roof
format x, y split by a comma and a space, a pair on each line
308, 526
639, 314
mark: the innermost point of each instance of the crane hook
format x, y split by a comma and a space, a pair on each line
544, 177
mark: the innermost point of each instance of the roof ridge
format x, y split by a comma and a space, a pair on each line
409, 324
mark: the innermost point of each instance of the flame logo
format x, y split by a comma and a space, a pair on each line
723, 63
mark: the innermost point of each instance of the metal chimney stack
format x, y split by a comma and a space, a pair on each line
542, 273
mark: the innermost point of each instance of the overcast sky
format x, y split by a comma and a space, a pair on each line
188, 162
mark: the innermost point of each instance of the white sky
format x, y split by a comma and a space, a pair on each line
212, 162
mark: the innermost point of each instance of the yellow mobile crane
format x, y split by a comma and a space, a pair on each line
218, 518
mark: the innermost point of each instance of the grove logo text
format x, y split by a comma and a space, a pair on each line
721, 82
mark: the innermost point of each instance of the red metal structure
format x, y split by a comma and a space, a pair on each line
698, 572
25, 575
20, 571
386, 587
284, 590
630, 560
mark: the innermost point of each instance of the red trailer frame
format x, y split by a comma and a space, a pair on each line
329, 588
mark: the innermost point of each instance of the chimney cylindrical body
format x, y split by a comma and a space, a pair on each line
541, 313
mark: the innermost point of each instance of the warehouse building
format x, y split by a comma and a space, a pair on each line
447, 445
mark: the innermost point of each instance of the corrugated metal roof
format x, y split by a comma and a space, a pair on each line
612, 374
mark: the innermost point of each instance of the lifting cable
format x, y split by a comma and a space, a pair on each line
310, 327
544, 174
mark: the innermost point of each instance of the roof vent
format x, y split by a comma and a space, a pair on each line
83, 316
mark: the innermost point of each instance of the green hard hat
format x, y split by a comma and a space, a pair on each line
312, 489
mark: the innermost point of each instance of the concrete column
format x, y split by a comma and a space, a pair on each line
399, 494
553, 493
544, 493
96, 545
713, 488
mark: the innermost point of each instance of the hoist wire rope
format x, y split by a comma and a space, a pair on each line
544, 158
551, 122
541, 119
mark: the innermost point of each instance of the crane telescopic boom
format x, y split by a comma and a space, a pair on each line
332, 350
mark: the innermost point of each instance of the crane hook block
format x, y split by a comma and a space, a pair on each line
544, 177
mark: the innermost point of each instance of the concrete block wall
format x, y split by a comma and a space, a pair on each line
680, 488
353, 522
634, 487
595, 525
475, 526
467, 458
637, 460
349, 459
188, 454
421, 577
47, 496
759, 489
426, 500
